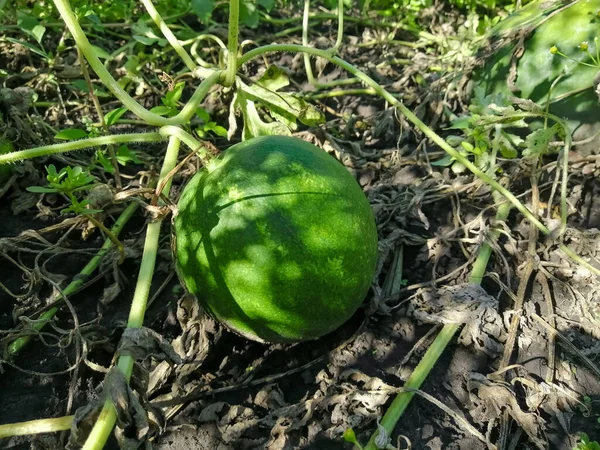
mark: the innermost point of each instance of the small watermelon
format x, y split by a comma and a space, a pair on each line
276, 240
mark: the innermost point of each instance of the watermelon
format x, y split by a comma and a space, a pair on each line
276, 240
547, 29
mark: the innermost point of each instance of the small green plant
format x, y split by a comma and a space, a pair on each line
66, 181
593, 60
584, 443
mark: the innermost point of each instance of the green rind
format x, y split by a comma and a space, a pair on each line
277, 240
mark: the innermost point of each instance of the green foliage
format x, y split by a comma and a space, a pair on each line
350, 436
584, 443
124, 156
79, 207
495, 128
67, 181
554, 68
249, 10
282, 110
208, 126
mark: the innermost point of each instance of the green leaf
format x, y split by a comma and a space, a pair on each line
506, 144
173, 96
537, 142
101, 53
38, 33
111, 117
267, 4
31, 47
80, 85
249, 14
30, 25
41, 190
217, 129
350, 436
125, 155
274, 78
145, 35
203, 115
70, 134
461, 123
51, 171
203, 9
444, 162
284, 104
104, 162
162, 110
254, 126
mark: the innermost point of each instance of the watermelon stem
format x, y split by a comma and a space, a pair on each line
70, 146
437, 347
113, 86
108, 416
168, 34
333, 50
232, 44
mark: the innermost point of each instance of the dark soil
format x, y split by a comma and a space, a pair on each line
235, 394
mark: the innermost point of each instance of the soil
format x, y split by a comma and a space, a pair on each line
230, 393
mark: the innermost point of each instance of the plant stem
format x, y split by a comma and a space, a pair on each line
18, 344
340, 30
94, 97
84, 45
340, 93
437, 347
79, 145
197, 97
109, 235
182, 135
358, 20
166, 31
186, 113
107, 418
307, 65
406, 112
232, 43
36, 427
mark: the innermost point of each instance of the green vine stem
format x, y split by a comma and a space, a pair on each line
424, 129
340, 35
36, 427
18, 344
340, 30
437, 347
189, 108
107, 418
406, 112
70, 146
232, 43
129, 102
358, 20
182, 135
166, 31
